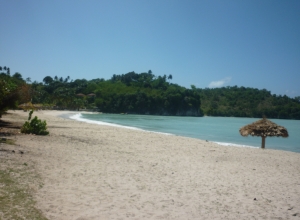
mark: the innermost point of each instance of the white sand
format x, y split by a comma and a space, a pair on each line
102, 172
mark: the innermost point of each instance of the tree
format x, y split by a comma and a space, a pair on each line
146, 93
47, 80
8, 93
66, 79
18, 76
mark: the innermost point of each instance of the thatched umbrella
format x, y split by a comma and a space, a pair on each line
26, 106
29, 106
264, 128
80, 94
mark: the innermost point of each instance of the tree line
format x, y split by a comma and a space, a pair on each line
248, 102
144, 93
13, 90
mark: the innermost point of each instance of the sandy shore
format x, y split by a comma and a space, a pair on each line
101, 172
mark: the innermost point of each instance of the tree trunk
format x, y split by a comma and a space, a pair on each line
263, 141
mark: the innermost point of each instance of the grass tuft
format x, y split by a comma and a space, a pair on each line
7, 141
16, 200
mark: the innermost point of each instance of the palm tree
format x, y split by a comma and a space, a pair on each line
170, 77
66, 79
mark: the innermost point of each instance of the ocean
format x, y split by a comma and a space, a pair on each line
221, 130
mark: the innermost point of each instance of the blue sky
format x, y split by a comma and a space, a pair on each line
207, 43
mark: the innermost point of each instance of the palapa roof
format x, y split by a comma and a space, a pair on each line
29, 105
26, 105
263, 128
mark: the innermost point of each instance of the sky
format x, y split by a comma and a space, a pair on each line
206, 43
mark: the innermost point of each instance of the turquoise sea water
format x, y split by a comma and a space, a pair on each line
222, 130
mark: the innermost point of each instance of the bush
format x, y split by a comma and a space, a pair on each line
34, 126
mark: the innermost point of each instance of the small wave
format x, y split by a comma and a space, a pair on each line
234, 145
78, 117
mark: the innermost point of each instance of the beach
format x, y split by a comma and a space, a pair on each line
91, 171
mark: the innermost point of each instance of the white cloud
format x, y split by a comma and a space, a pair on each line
219, 83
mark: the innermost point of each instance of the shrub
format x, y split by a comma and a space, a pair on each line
34, 126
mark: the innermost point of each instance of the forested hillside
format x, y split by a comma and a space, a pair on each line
130, 93
248, 102
143, 93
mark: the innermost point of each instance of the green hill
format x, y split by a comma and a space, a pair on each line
248, 102
145, 93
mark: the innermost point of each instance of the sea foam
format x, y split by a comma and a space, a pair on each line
234, 145
78, 117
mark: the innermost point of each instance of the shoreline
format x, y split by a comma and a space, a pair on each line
73, 116
101, 172
77, 116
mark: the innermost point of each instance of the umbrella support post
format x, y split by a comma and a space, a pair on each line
263, 142
264, 128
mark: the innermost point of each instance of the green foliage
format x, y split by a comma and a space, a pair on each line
145, 93
48, 80
142, 93
10, 90
30, 115
248, 102
34, 126
7, 141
